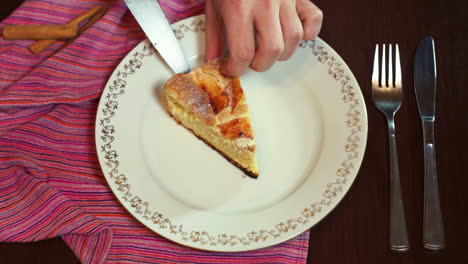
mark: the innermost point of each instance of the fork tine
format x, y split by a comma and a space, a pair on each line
390, 66
397, 67
383, 75
375, 69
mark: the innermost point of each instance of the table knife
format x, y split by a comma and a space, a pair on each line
149, 15
425, 89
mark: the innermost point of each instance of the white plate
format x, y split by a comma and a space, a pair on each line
310, 125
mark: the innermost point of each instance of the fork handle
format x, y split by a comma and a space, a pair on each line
398, 233
433, 230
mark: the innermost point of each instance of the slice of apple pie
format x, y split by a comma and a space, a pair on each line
213, 107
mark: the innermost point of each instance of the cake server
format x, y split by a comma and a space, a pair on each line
152, 20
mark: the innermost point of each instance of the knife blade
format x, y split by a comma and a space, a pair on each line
425, 77
150, 17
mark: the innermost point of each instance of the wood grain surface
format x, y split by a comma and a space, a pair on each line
357, 231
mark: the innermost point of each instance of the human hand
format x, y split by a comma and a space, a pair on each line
279, 27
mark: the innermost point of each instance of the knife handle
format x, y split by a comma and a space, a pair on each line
398, 232
433, 230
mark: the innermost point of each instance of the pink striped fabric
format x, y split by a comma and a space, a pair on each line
50, 179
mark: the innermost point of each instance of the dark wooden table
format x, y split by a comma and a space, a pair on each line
357, 231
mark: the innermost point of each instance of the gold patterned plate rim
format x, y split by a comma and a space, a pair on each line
143, 210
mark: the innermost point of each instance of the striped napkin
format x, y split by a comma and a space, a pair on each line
50, 179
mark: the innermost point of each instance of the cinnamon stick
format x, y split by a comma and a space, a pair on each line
88, 24
40, 31
40, 45
91, 12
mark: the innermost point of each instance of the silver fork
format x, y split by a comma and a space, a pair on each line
387, 98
